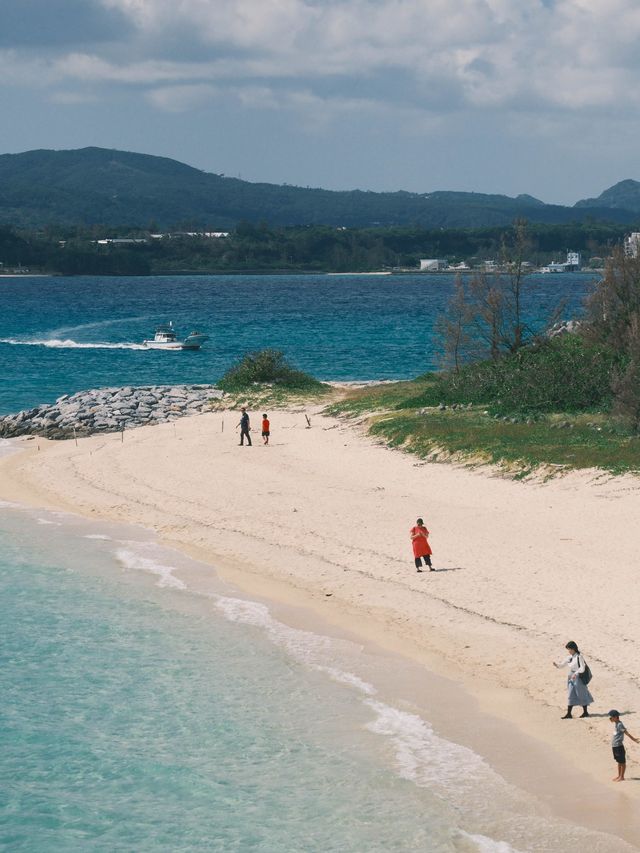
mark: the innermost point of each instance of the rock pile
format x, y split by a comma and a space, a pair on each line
109, 410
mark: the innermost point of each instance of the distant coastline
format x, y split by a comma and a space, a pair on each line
283, 272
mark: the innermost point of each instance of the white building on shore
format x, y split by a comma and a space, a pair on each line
572, 264
433, 264
632, 245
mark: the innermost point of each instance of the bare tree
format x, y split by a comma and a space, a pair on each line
453, 328
487, 314
515, 331
613, 320
489, 317
613, 310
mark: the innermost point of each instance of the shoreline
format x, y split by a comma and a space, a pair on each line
292, 272
404, 687
382, 604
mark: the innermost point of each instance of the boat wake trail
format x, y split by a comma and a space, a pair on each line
58, 343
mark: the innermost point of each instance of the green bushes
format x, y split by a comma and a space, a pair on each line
267, 367
566, 374
613, 321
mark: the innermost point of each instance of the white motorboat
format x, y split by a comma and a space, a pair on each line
165, 337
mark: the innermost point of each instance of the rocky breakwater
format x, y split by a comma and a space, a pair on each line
109, 410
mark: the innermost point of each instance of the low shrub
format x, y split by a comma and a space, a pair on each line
267, 367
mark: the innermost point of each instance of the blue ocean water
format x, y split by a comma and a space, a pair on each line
139, 715
59, 335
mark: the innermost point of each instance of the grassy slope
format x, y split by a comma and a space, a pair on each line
569, 441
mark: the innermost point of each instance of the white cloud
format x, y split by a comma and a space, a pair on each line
181, 99
72, 98
81, 66
575, 55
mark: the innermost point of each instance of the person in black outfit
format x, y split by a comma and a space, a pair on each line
245, 428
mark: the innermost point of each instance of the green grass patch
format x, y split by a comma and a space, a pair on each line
562, 441
477, 435
380, 397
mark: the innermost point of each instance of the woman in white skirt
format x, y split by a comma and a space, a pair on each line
578, 692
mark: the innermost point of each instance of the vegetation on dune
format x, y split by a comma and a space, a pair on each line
521, 447
566, 374
530, 400
411, 415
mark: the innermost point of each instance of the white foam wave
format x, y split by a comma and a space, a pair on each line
348, 678
489, 845
425, 758
448, 768
68, 343
421, 756
48, 521
132, 560
96, 536
311, 649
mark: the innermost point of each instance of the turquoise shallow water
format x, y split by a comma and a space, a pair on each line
138, 715
59, 335
129, 726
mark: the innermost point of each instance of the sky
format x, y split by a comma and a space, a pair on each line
492, 96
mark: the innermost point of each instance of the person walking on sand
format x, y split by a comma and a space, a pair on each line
265, 429
579, 676
421, 548
617, 744
245, 428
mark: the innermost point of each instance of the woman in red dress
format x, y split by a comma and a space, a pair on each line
421, 548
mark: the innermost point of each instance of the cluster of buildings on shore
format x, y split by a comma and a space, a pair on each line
573, 263
128, 241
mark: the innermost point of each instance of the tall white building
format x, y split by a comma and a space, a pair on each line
632, 245
573, 260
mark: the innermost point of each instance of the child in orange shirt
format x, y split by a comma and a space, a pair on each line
265, 429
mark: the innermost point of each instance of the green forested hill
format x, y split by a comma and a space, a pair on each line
622, 196
100, 186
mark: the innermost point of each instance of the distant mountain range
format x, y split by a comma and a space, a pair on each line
92, 186
622, 196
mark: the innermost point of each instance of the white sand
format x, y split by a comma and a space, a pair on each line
321, 517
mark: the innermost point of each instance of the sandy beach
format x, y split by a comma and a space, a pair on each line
319, 522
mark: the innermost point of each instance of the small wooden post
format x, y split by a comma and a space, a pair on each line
75, 437
308, 422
